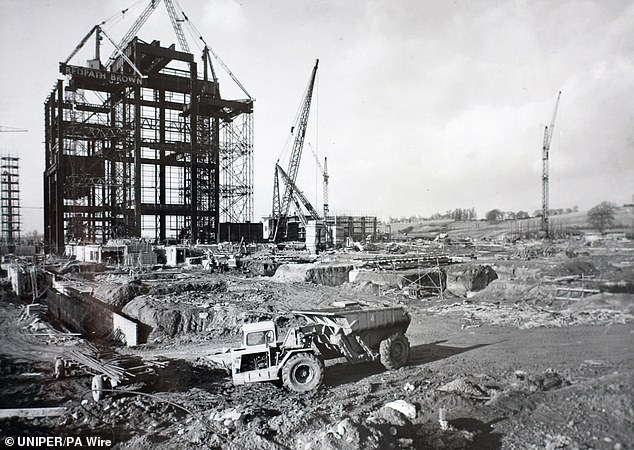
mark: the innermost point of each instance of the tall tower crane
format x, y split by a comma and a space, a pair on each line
548, 134
281, 204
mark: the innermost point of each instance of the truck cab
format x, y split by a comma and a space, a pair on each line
257, 359
259, 333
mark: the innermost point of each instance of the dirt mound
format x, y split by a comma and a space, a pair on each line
328, 275
573, 267
524, 315
470, 279
265, 268
189, 285
425, 278
165, 319
292, 273
616, 302
508, 291
118, 294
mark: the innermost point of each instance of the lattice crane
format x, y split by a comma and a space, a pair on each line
548, 134
298, 195
143, 17
282, 204
324, 173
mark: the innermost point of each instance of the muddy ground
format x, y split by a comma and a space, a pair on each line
506, 367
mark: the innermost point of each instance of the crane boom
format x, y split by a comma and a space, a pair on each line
299, 195
548, 134
281, 206
134, 29
324, 172
81, 43
177, 26
4, 129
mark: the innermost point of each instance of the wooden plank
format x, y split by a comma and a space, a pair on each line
32, 412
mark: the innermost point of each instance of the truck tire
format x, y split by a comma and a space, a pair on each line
98, 385
303, 372
394, 351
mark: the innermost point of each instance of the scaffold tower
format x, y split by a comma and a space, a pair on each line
10, 200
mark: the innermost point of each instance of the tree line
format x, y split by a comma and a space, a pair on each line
600, 217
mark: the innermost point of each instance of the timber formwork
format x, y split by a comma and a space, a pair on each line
158, 156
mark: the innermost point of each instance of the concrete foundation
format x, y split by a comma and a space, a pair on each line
84, 314
328, 275
430, 279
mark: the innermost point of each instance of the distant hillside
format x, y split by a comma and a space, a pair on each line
480, 229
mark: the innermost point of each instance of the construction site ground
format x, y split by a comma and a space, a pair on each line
506, 367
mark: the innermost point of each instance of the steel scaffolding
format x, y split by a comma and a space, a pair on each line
160, 156
10, 200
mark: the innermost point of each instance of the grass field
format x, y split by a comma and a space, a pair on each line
576, 222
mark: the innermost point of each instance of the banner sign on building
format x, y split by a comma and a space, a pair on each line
100, 75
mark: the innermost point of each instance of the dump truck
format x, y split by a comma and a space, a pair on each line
354, 332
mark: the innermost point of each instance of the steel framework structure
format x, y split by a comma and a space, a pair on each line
10, 200
158, 155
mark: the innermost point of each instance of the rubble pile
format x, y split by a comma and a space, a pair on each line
462, 280
469, 383
118, 294
523, 315
172, 317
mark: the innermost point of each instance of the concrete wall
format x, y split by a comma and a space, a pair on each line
84, 314
125, 330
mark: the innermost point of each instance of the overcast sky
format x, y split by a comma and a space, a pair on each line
420, 106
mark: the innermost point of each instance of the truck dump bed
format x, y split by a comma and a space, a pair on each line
361, 327
359, 320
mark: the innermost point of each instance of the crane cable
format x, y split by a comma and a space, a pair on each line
215, 55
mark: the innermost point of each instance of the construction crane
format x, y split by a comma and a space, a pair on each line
4, 129
282, 204
298, 196
176, 24
134, 29
140, 21
324, 173
548, 134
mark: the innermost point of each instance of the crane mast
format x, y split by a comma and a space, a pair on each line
282, 204
324, 173
548, 134
326, 178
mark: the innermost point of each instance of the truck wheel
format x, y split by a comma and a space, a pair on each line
97, 387
394, 351
303, 372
